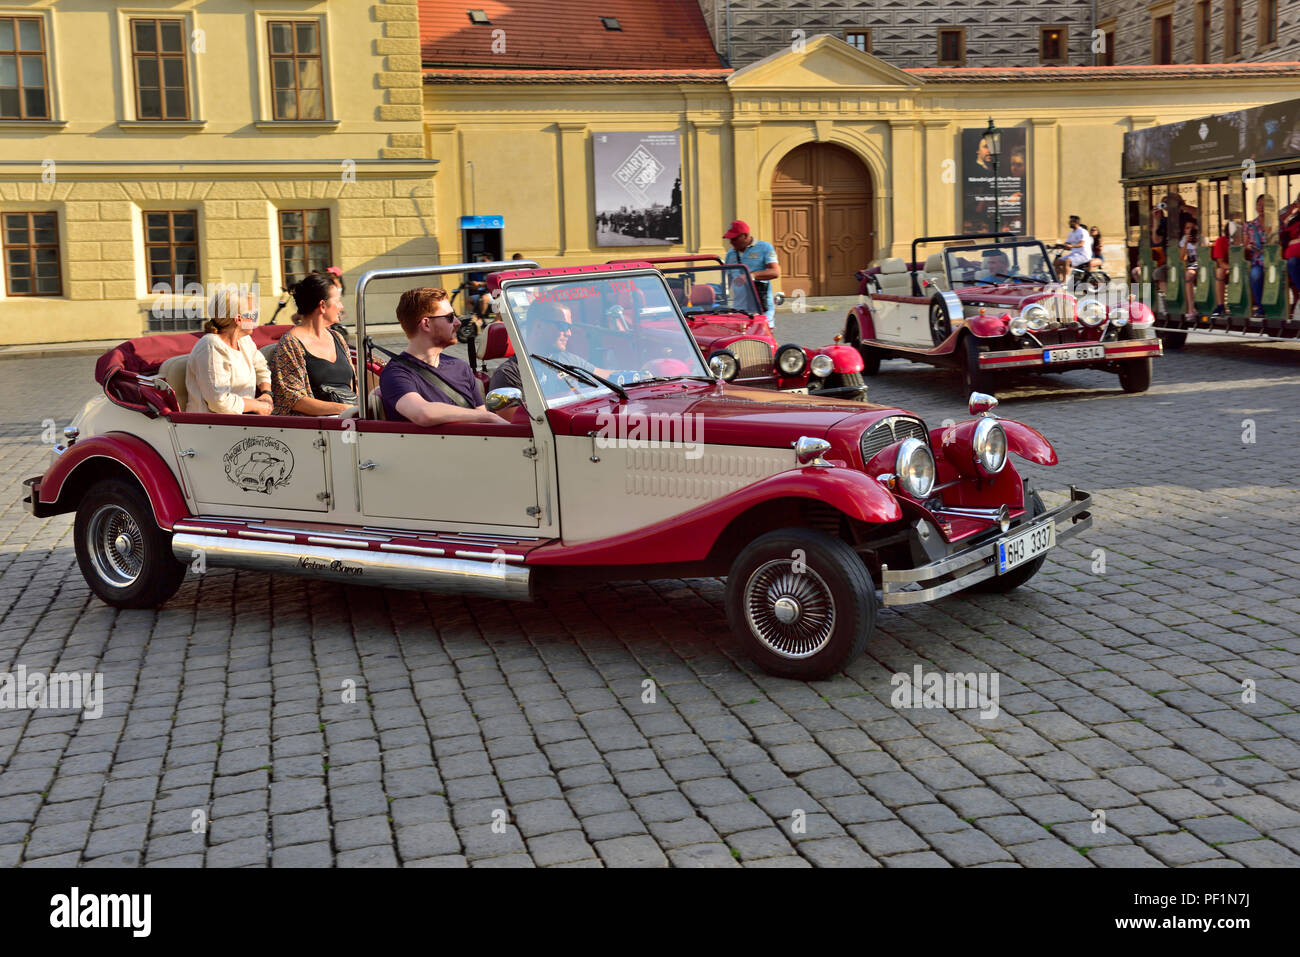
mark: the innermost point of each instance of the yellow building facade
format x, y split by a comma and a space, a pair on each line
523, 150
222, 141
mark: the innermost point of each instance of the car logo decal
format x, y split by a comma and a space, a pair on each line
259, 463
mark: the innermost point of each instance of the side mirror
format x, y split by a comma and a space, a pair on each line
778, 298
981, 404
501, 399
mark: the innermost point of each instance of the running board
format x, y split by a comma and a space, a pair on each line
493, 577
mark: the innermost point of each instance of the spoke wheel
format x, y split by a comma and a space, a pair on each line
791, 611
801, 602
116, 545
124, 556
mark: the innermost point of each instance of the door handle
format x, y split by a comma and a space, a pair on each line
367, 464
187, 453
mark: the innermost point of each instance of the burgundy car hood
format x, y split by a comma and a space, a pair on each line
1017, 295
738, 416
728, 324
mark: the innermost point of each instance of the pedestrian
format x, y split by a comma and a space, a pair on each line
1219, 253
1188, 248
1080, 249
759, 256
1257, 237
1289, 220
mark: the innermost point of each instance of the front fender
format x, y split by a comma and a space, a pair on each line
1029, 444
988, 327
866, 323
691, 536
846, 358
129, 451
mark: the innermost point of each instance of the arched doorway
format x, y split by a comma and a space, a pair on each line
821, 219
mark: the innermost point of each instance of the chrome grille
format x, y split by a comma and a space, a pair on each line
1060, 306
754, 356
889, 430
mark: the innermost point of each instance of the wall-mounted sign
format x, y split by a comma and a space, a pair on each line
638, 188
977, 190
482, 222
1225, 140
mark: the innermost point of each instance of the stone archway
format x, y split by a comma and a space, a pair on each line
822, 228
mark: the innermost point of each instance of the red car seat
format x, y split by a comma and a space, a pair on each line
703, 295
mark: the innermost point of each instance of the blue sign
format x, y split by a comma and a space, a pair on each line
482, 222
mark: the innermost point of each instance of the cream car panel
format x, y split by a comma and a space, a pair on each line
630, 488
448, 479
254, 467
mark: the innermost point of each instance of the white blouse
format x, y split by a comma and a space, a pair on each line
218, 378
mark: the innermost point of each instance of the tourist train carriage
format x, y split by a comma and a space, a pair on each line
804, 503
987, 304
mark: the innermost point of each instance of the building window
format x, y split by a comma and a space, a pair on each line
1204, 13
23, 88
297, 78
1231, 29
1053, 45
1162, 39
1267, 24
158, 54
171, 248
859, 40
1106, 56
304, 242
952, 46
31, 252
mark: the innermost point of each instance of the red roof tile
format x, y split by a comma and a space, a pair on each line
665, 35
468, 75
1074, 74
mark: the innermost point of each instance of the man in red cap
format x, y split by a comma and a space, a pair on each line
760, 257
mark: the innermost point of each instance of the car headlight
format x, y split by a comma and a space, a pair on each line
724, 365
990, 445
791, 359
1092, 312
1036, 317
915, 468
1018, 325
822, 366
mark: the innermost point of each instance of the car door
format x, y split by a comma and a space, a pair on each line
477, 474
248, 462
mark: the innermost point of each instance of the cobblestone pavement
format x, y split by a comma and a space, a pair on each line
1121, 686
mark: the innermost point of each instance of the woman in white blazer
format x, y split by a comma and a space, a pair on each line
226, 372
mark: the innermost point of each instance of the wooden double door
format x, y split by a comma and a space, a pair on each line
822, 223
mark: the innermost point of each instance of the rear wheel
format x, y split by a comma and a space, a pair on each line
1135, 375
124, 556
801, 602
974, 379
1017, 576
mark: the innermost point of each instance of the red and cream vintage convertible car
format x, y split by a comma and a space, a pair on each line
804, 503
722, 308
989, 304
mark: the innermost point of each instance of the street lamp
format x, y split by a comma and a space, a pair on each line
993, 140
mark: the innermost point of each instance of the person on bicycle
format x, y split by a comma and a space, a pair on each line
1079, 246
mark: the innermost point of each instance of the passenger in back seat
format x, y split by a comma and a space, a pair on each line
225, 372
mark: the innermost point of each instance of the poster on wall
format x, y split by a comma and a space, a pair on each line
977, 191
638, 188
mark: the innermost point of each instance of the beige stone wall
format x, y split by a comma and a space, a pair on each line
375, 223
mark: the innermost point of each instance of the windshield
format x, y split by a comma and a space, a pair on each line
709, 289
998, 264
579, 329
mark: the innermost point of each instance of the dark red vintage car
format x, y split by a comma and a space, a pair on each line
804, 503
724, 312
989, 304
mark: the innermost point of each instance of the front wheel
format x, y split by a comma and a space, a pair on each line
853, 336
1135, 375
974, 379
940, 322
124, 556
1013, 579
801, 602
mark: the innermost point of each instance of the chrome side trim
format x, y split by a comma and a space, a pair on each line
336, 542
978, 562
455, 576
411, 549
202, 529
268, 536
481, 555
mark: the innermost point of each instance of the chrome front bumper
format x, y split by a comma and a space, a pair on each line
974, 564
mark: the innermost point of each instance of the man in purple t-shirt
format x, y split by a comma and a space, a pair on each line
419, 385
